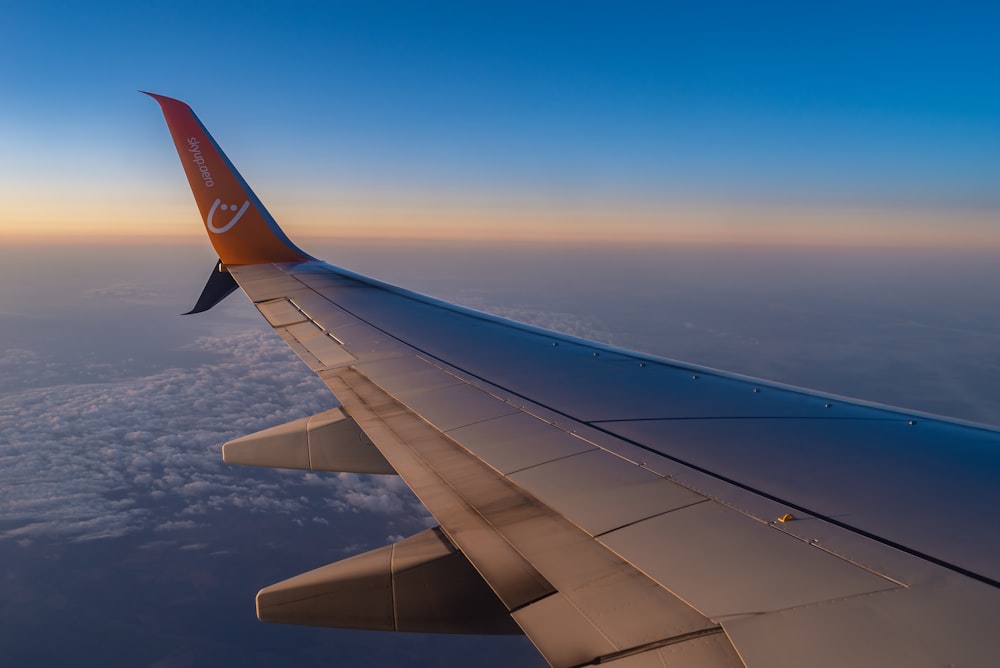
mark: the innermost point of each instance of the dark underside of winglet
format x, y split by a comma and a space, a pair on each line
220, 285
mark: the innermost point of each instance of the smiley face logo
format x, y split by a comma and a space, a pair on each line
210, 221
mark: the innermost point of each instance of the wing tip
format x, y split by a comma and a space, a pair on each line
164, 100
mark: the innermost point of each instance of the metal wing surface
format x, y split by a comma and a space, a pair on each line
618, 508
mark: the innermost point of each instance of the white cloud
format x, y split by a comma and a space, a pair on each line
101, 460
175, 525
125, 292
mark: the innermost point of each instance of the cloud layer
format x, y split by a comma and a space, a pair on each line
91, 461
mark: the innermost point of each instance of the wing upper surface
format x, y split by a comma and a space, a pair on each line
679, 472
799, 448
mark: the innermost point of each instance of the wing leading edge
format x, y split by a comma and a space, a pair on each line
617, 507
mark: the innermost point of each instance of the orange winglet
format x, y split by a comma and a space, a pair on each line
240, 228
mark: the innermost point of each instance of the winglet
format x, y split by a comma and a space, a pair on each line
240, 228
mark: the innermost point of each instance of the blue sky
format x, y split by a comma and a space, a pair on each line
458, 119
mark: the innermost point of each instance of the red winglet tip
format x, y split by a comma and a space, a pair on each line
165, 100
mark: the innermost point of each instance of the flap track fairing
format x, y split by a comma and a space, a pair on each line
421, 584
327, 441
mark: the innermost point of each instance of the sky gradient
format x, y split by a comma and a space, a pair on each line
708, 122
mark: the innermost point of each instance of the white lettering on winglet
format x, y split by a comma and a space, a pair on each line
194, 148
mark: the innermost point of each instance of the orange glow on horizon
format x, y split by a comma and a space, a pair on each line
171, 218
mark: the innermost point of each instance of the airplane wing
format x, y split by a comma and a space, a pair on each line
615, 507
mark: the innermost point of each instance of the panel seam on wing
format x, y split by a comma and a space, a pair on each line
654, 645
